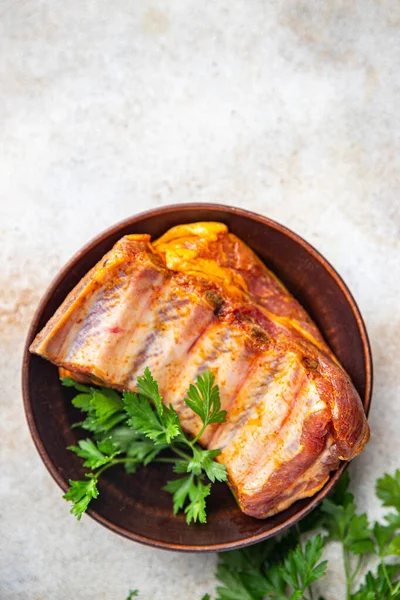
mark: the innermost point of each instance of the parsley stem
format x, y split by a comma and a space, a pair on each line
115, 461
298, 531
180, 452
120, 461
397, 588
198, 436
356, 570
386, 574
346, 562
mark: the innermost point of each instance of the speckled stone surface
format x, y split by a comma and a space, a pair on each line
287, 108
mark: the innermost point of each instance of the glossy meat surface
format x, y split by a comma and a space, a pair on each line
199, 298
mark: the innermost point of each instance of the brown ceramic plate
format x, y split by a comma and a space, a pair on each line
134, 505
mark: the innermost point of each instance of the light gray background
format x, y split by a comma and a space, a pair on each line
287, 108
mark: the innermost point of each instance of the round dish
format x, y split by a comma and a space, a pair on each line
134, 505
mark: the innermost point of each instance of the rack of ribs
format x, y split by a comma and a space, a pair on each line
198, 298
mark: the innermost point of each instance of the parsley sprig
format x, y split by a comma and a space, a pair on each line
135, 429
286, 567
282, 569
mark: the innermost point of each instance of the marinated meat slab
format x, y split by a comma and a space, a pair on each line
198, 298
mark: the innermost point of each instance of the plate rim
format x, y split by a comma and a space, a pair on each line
56, 281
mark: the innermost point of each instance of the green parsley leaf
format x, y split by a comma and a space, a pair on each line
376, 587
104, 408
203, 398
234, 587
69, 382
179, 488
81, 493
172, 425
135, 445
358, 537
275, 584
383, 535
259, 572
101, 426
132, 594
388, 490
181, 466
346, 526
148, 387
394, 547
203, 460
83, 402
393, 520
162, 429
187, 487
107, 446
302, 567
105, 403
95, 455
250, 558
196, 509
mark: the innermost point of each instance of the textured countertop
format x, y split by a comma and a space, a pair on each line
290, 109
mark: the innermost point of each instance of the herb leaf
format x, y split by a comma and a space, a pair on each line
203, 398
269, 570
82, 401
179, 488
203, 460
302, 567
388, 490
285, 568
148, 387
196, 509
81, 493
135, 445
95, 455
69, 382
343, 524
161, 428
135, 430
